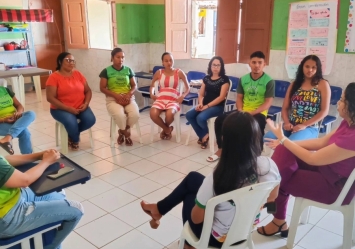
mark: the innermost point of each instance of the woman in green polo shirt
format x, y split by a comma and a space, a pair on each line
21, 210
118, 84
14, 122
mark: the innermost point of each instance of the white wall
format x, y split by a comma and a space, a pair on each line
11, 3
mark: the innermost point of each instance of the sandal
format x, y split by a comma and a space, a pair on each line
283, 233
129, 141
121, 137
212, 158
205, 143
162, 135
74, 146
154, 223
7, 147
168, 136
199, 141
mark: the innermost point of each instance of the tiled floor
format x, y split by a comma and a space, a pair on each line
122, 176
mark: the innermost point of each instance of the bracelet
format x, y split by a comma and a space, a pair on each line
282, 140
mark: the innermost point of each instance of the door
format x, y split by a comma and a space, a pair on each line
48, 37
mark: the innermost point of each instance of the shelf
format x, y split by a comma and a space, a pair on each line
15, 51
14, 32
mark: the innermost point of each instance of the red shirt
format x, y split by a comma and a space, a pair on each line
70, 89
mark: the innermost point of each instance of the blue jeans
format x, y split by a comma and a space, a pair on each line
33, 211
198, 120
19, 129
308, 133
70, 122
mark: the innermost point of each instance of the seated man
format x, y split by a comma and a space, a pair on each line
21, 210
255, 94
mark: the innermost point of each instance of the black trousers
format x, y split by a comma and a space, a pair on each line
186, 192
260, 118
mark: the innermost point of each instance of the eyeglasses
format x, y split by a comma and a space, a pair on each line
70, 60
216, 65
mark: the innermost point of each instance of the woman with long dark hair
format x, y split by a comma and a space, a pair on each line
211, 99
306, 101
240, 165
69, 94
315, 169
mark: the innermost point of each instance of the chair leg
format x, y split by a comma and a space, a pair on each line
305, 215
188, 135
211, 134
178, 126
152, 131
139, 132
91, 140
348, 226
297, 210
112, 133
38, 242
63, 139
56, 134
37, 83
181, 243
26, 244
250, 242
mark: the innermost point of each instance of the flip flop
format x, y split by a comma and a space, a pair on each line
170, 135
8, 147
120, 139
212, 158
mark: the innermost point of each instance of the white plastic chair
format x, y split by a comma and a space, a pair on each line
248, 201
176, 115
347, 210
59, 127
210, 124
113, 131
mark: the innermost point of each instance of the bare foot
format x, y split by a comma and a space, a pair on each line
218, 152
5, 139
151, 210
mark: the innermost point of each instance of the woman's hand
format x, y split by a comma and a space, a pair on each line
9, 120
50, 156
299, 127
72, 110
199, 107
180, 99
272, 143
18, 115
83, 107
275, 128
288, 126
205, 107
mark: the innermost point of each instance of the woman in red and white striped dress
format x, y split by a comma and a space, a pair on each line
168, 99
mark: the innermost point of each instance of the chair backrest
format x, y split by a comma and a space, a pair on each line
3, 82
335, 94
235, 81
195, 75
156, 68
281, 87
344, 192
248, 201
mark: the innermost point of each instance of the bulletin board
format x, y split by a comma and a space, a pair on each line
312, 29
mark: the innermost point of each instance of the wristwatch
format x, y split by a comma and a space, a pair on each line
282, 140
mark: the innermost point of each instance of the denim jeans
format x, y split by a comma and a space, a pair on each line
33, 211
198, 120
308, 133
70, 122
19, 129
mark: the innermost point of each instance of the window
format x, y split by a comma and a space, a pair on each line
232, 29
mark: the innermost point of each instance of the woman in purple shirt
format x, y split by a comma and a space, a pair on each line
315, 169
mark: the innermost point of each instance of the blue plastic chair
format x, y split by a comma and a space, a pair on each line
281, 87
195, 75
34, 239
326, 125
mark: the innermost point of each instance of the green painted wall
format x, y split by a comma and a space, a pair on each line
280, 22
140, 23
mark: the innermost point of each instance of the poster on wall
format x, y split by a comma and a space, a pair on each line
350, 33
312, 29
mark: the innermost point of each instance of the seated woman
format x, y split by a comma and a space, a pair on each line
70, 95
238, 167
211, 99
118, 84
21, 210
168, 98
14, 122
315, 169
306, 101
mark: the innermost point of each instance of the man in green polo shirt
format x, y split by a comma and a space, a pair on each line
255, 94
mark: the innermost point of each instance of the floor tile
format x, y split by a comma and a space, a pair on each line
319, 238
119, 177
85, 159
124, 159
164, 176
143, 167
164, 145
106, 152
205, 171
113, 199
91, 213
145, 151
168, 231
201, 157
134, 240
185, 166
75, 241
185, 151
103, 230
164, 158
91, 188
132, 214
333, 222
101, 167
140, 187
